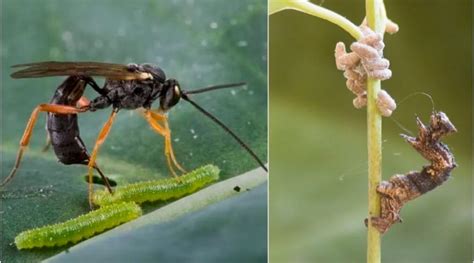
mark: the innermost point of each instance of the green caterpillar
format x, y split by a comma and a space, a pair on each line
78, 228
160, 189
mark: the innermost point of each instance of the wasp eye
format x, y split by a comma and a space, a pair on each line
170, 97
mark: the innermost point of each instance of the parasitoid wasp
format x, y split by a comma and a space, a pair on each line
131, 86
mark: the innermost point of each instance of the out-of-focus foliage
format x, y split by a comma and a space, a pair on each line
197, 42
322, 169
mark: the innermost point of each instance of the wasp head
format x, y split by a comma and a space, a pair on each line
170, 94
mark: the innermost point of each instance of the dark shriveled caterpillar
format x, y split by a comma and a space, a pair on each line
78, 228
402, 188
160, 189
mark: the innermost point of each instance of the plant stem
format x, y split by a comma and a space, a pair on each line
375, 13
318, 11
376, 18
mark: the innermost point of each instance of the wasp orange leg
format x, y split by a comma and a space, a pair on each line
153, 119
83, 102
100, 140
168, 145
25, 139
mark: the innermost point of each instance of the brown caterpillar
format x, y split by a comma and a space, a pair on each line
402, 188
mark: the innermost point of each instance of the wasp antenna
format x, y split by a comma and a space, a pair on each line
227, 129
221, 86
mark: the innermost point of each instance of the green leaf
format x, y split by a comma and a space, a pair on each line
220, 232
199, 43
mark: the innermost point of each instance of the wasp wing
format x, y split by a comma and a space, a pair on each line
55, 68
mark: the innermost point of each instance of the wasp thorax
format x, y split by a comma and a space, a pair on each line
170, 95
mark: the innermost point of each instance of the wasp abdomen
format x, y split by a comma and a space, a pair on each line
64, 129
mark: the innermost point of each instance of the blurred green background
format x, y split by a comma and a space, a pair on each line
318, 153
199, 43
